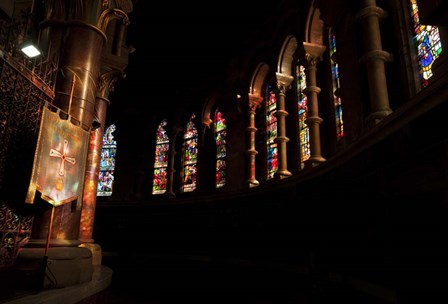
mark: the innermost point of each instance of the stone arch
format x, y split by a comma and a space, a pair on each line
257, 81
314, 32
207, 109
286, 57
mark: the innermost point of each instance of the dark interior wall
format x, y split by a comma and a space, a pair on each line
378, 217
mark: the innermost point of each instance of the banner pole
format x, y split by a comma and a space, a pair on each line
71, 95
47, 244
45, 258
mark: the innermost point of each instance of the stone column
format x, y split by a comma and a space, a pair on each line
374, 58
254, 103
283, 84
311, 55
81, 26
93, 165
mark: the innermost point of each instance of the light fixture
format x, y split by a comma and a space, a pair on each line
30, 50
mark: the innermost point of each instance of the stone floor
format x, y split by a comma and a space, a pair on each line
174, 280
100, 283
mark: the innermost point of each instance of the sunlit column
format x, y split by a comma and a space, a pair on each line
94, 156
79, 28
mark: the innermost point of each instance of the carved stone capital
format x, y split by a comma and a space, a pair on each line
107, 80
309, 61
109, 15
207, 121
283, 82
311, 53
254, 102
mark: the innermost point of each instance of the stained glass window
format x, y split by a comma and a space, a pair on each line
336, 87
107, 163
190, 156
304, 133
271, 131
221, 152
161, 160
427, 42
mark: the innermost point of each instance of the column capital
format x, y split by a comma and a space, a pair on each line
107, 80
207, 121
254, 101
311, 53
283, 81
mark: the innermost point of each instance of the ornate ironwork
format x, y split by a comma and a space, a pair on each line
25, 85
41, 69
15, 230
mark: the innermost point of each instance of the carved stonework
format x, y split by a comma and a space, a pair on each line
107, 81
311, 54
283, 82
254, 102
207, 121
109, 15
310, 61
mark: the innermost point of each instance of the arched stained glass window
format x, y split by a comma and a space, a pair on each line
107, 163
271, 131
336, 86
190, 156
304, 133
427, 42
161, 160
221, 149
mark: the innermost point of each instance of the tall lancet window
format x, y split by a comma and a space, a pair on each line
190, 156
427, 42
161, 160
336, 86
304, 132
107, 163
271, 131
221, 150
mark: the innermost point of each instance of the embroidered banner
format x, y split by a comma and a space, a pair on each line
59, 161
